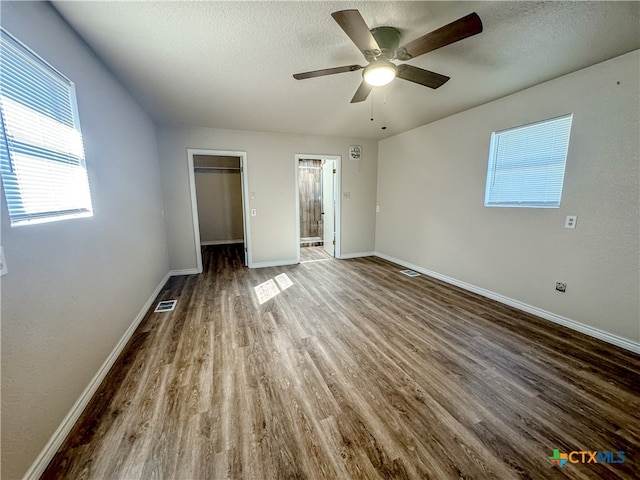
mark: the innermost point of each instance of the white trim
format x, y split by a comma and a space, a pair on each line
246, 207
46, 455
337, 195
222, 242
559, 319
297, 193
347, 256
185, 271
277, 263
194, 208
244, 175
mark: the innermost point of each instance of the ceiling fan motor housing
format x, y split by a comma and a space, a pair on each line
388, 39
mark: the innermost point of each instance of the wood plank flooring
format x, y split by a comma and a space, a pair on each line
310, 254
353, 372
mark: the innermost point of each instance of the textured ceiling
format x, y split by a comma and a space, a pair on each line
230, 64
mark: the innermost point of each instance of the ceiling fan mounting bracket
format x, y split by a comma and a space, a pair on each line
402, 54
371, 55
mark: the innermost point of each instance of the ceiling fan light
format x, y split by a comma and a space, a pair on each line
379, 73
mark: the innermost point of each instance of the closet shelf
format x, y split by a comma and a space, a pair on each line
217, 169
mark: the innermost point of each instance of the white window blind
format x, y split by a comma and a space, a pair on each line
41, 151
526, 165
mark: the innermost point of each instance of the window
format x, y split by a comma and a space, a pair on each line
41, 152
526, 165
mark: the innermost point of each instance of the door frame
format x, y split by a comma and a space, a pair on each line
244, 178
328, 171
337, 195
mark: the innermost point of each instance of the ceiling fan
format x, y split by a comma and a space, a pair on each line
380, 46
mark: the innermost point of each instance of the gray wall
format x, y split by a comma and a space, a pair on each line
272, 174
431, 183
74, 287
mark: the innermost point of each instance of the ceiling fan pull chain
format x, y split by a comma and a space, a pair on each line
372, 106
384, 104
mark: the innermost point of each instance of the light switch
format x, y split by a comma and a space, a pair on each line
3, 263
570, 221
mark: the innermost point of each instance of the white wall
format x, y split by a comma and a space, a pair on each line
431, 184
75, 286
272, 171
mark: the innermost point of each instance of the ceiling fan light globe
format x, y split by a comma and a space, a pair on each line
380, 74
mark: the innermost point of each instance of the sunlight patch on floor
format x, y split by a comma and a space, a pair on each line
267, 290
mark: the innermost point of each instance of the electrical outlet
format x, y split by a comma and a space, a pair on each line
254, 212
561, 287
3, 263
570, 221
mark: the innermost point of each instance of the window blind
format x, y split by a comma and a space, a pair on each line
527, 164
41, 150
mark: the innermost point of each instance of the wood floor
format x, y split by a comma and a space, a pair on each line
353, 372
311, 254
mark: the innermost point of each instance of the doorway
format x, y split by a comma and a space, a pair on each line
317, 188
218, 183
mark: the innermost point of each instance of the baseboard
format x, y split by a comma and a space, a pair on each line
277, 263
184, 271
346, 256
559, 319
46, 455
222, 242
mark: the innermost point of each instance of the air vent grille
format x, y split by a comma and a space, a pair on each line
166, 306
409, 273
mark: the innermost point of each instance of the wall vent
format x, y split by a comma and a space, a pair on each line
409, 273
166, 306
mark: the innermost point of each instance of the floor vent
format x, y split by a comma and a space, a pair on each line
166, 306
409, 273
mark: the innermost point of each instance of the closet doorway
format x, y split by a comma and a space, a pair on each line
317, 189
218, 198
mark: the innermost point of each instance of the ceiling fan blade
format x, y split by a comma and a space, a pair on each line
362, 93
326, 71
462, 28
355, 27
421, 76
